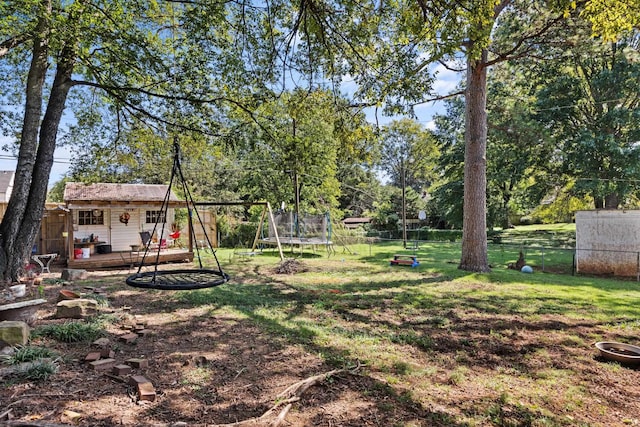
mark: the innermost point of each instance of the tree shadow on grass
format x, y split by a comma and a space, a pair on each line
432, 321
373, 401
476, 343
470, 326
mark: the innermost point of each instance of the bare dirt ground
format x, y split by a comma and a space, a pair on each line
206, 371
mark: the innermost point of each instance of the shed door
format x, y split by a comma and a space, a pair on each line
53, 225
124, 235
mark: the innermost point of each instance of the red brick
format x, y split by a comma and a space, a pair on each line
138, 379
128, 338
147, 392
121, 370
92, 357
107, 353
102, 365
139, 363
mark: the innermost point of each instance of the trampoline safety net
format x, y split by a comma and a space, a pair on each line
312, 228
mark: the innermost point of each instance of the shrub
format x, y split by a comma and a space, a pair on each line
39, 371
29, 354
71, 331
445, 235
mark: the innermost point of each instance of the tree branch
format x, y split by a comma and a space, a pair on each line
511, 53
113, 89
9, 44
289, 396
445, 65
439, 98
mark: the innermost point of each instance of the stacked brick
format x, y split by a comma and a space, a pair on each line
102, 358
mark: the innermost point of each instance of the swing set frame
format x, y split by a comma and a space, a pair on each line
267, 213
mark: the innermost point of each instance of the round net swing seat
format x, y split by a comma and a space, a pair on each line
178, 280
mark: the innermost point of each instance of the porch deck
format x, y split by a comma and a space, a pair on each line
130, 258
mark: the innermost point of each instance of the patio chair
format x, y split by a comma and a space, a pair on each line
145, 236
173, 239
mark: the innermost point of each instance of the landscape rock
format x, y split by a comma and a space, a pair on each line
128, 338
76, 308
92, 357
66, 294
23, 311
14, 332
101, 342
74, 274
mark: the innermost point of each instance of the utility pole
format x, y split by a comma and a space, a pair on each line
297, 201
404, 205
296, 189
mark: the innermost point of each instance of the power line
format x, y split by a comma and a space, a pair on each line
562, 107
635, 181
58, 160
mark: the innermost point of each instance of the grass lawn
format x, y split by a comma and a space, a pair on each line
561, 227
504, 348
435, 346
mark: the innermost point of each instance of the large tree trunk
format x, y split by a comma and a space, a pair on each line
611, 201
474, 222
506, 198
16, 209
30, 203
598, 202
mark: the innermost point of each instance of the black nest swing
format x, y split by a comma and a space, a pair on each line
179, 279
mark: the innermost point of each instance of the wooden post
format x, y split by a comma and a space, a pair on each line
260, 224
404, 207
190, 230
214, 227
70, 238
272, 223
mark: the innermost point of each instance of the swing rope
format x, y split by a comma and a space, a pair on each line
180, 279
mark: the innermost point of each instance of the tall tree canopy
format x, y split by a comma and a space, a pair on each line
121, 57
590, 103
51, 43
408, 154
186, 66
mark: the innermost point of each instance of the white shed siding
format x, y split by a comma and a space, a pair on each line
608, 242
117, 234
124, 235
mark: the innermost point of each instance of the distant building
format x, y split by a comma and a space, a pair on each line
356, 222
6, 185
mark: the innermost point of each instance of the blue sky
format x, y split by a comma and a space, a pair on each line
60, 165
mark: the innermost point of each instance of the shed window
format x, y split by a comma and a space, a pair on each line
153, 217
93, 217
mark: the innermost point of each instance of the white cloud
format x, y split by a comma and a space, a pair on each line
446, 80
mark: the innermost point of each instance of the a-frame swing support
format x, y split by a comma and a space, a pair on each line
266, 213
181, 279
